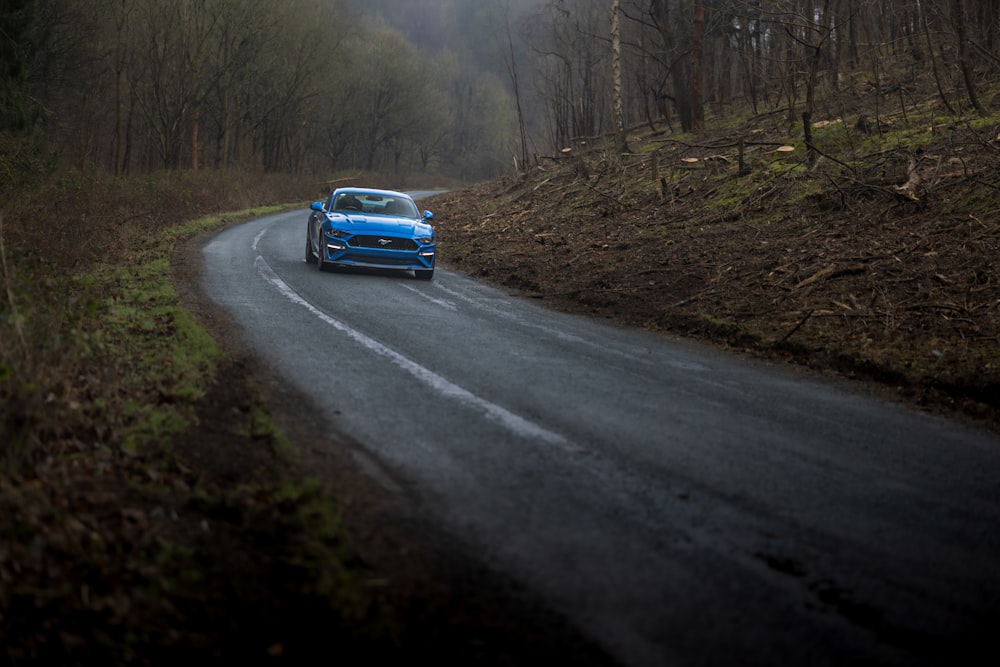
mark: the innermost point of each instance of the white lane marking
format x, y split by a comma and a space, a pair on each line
256, 239
505, 418
449, 305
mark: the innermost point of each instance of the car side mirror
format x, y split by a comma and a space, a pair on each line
316, 206
428, 215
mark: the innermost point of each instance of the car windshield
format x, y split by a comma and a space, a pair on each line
379, 204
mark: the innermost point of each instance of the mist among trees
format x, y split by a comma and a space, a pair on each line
464, 89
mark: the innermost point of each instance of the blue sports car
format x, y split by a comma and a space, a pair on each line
370, 228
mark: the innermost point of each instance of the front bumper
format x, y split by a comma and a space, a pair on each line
414, 255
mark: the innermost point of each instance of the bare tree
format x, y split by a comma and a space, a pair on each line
820, 30
674, 20
958, 20
140, 85
512, 65
697, 83
616, 77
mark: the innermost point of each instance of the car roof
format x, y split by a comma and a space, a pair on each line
371, 191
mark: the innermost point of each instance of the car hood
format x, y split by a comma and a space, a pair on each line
361, 223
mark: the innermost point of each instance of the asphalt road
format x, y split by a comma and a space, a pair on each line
681, 506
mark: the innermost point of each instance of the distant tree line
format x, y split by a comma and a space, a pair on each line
133, 86
456, 87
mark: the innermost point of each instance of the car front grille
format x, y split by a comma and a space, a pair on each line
379, 261
383, 243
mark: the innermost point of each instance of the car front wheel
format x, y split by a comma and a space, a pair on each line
321, 262
310, 257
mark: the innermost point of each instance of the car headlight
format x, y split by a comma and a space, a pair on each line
335, 233
425, 240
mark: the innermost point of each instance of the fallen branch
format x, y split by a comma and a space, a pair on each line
693, 297
829, 273
819, 275
795, 328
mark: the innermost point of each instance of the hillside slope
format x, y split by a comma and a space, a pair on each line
876, 259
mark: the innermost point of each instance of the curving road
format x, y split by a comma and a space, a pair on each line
680, 506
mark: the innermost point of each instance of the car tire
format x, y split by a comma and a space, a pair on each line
321, 262
423, 274
310, 257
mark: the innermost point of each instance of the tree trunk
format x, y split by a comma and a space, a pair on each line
523, 166
934, 68
616, 76
823, 28
194, 140
697, 68
958, 18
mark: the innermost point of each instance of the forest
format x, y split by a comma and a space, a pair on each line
462, 89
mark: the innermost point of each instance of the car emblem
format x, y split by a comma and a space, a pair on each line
384, 242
